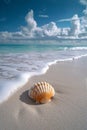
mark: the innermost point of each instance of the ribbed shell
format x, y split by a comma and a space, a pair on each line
41, 92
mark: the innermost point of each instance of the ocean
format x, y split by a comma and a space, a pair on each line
18, 62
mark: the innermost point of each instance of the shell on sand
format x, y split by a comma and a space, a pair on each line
41, 92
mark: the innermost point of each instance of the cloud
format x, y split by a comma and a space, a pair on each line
64, 20
33, 31
43, 16
85, 11
75, 29
5, 35
30, 20
28, 31
84, 22
84, 2
65, 31
68, 20
48, 31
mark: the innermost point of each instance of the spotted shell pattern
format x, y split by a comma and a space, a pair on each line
41, 92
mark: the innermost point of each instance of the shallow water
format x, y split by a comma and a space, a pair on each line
18, 62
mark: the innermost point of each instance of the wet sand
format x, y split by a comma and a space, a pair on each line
68, 109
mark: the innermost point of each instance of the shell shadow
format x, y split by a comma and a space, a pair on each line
25, 98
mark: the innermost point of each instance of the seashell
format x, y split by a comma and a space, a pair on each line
41, 92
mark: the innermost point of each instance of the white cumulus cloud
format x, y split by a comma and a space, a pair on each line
5, 35
48, 31
75, 29
84, 2
30, 20
28, 30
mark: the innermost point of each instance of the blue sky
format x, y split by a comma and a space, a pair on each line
48, 18
12, 12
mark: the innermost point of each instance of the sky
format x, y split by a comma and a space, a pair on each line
48, 19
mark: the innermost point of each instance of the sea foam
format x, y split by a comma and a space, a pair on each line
17, 67
8, 87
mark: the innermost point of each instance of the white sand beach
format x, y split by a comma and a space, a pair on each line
68, 109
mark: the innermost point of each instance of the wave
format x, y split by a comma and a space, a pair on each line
78, 48
72, 48
7, 87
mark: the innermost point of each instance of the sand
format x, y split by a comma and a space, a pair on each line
68, 109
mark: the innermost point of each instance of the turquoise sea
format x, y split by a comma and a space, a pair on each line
18, 62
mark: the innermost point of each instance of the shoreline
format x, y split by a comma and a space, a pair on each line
68, 109
24, 78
